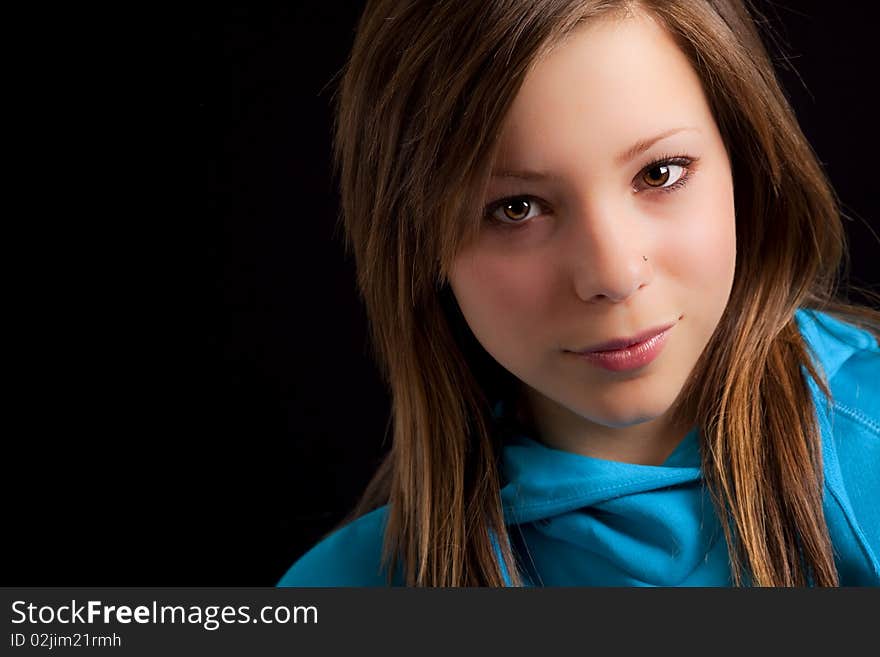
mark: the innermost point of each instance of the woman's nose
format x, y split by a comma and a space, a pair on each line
609, 261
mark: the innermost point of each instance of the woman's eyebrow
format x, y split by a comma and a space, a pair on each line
622, 158
644, 144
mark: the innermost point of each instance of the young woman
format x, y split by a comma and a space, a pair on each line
599, 261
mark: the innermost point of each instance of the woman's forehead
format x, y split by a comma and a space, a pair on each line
609, 87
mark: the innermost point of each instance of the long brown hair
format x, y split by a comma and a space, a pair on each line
418, 112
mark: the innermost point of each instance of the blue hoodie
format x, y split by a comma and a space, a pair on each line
579, 521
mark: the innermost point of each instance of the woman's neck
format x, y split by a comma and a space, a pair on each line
646, 443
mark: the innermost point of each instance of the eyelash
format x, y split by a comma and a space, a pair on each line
683, 161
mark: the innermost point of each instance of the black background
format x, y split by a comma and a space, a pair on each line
192, 402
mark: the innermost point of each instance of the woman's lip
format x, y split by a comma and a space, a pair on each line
621, 343
628, 358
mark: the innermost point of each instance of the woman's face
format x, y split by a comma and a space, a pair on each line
563, 269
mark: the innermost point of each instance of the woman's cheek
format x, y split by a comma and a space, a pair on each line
706, 243
514, 285
504, 299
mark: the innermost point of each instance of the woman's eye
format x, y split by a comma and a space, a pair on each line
514, 210
658, 176
665, 175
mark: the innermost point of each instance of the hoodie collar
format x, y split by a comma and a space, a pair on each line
590, 521
541, 482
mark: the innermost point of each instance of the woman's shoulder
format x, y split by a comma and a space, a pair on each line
350, 556
835, 341
850, 358
850, 425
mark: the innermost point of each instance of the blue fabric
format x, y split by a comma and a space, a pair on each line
580, 521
